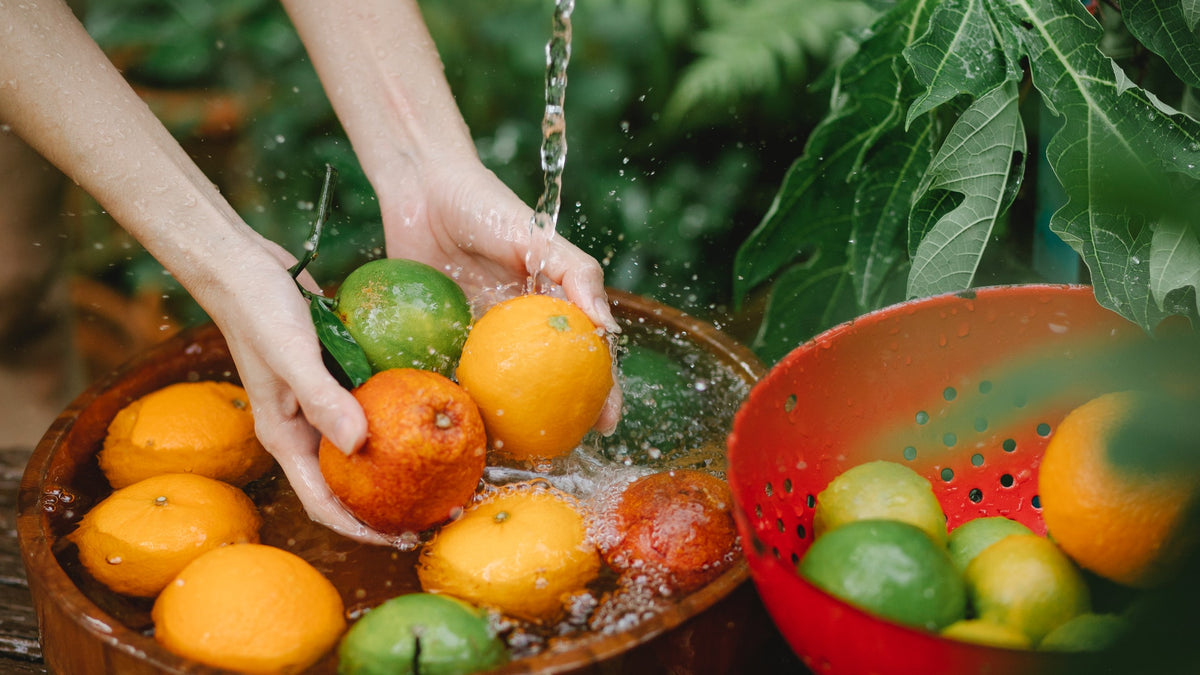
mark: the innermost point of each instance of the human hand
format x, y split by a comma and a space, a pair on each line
460, 218
295, 400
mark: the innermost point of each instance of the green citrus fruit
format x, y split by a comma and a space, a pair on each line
890, 568
1086, 633
404, 314
420, 633
968, 539
879, 490
986, 633
658, 412
1026, 582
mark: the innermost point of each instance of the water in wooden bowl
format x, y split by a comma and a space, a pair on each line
87, 628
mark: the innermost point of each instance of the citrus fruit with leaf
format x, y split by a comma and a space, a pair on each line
980, 631
523, 550
675, 523
250, 608
1124, 521
1024, 581
879, 490
404, 314
891, 568
203, 427
423, 458
967, 540
138, 538
421, 634
540, 372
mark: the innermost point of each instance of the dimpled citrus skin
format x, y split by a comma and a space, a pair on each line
189, 427
404, 314
522, 551
540, 372
250, 608
879, 489
679, 522
142, 535
425, 452
1119, 522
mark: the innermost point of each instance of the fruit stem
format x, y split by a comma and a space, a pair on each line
314, 236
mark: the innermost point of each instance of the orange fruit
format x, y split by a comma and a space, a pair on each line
539, 371
524, 551
251, 608
205, 428
138, 538
1122, 522
679, 523
425, 452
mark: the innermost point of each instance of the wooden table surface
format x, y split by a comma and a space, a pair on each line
20, 652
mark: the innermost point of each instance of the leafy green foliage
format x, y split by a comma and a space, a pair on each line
929, 104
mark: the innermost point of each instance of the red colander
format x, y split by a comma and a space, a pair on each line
966, 389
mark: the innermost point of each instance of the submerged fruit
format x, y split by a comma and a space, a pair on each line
250, 608
205, 428
540, 372
876, 490
424, 455
891, 568
523, 551
404, 314
675, 523
140, 537
420, 634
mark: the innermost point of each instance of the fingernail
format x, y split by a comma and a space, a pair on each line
343, 435
605, 314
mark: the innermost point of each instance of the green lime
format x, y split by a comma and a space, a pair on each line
404, 314
968, 539
987, 633
879, 489
1087, 632
420, 633
658, 414
1026, 582
891, 568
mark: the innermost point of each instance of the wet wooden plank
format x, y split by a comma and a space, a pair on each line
20, 653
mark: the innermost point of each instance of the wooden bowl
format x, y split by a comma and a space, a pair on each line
86, 629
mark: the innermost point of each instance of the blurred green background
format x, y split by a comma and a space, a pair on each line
682, 118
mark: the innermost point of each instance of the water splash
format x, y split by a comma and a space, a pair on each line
544, 223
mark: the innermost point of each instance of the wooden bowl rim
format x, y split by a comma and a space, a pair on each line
42, 566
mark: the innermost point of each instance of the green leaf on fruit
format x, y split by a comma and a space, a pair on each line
339, 343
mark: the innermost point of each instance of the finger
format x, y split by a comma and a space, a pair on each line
333, 410
582, 279
610, 413
304, 474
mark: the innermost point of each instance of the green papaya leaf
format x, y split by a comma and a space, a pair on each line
975, 161
1166, 28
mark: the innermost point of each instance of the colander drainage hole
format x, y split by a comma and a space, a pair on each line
775, 552
975, 495
758, 511
811, 501
787, 485
1006, 480
949, 393
779, 524
947, 474
801, 532
910, 453
1009, 445
977, 459
795, 559
1043, 430
985, 387
769, 489
1036, 502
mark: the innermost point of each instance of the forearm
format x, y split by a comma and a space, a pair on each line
384, 77
60, 93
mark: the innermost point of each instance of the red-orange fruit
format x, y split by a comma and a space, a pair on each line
678, 523
424, 455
